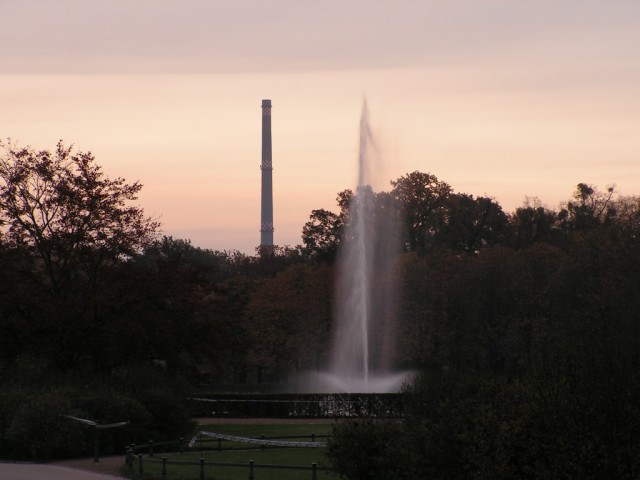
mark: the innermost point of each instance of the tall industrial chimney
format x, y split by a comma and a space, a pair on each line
266, 216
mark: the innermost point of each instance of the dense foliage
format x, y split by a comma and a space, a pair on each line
103, 319
524, 325
529, 348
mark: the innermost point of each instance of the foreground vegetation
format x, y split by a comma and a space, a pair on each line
523, 324
561, 423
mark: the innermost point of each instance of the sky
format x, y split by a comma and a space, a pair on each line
506, 99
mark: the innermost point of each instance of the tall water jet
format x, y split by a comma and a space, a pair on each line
350, 359
363, 334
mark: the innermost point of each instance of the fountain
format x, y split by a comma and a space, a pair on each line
363, 332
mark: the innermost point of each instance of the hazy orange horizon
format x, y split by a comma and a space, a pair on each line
494, 98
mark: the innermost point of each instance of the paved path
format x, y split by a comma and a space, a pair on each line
30, 471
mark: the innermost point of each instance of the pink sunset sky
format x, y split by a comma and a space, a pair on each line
508, 99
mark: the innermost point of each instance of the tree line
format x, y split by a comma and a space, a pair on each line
514, 319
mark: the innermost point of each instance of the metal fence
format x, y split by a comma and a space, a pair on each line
137, 464
138, 456
347, 405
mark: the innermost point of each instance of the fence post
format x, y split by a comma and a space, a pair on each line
164, 468
313, 437
181, 446
150, 448
262, 444
140, 467
314, 474
131, 458
219, 444
250, 469
202, 469
96, 445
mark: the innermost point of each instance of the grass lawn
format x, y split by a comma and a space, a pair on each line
243, 453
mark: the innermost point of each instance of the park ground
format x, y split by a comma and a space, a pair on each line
108, 467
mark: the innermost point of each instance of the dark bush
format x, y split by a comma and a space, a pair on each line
106, 406
570, 419
369, 450
34, 414
38, 429
164, 398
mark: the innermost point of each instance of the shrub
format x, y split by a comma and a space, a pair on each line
569, 420
39, 430
164, 398
369, 450
33, 406
104, 406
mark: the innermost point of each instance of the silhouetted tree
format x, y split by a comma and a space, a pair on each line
67, 224
588, 208
62, 209
321, 235
532, 223
472, 223
423, 200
